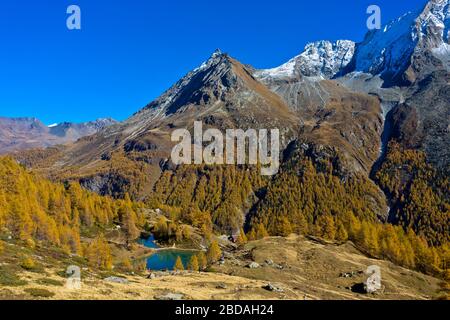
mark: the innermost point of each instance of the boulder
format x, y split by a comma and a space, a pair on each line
273, 288
221, 286
269, 262
170, 296
117, 280
253, 265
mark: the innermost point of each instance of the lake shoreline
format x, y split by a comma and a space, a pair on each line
163, 258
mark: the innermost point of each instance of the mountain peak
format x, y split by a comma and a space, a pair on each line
391, 51
387, 52
216, 53
319, 59
209, 73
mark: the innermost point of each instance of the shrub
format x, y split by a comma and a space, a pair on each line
8, 277
41, 293
50, 282
28, 264
126, 265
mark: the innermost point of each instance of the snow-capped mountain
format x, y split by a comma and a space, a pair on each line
415, 43
433, 27
319, 59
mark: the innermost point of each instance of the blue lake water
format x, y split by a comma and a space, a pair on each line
149, 242
165, 259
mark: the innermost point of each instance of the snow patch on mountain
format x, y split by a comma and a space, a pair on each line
388, 49
443, 53
284, 71
321, 59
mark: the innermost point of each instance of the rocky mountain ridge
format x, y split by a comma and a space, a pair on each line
18, 134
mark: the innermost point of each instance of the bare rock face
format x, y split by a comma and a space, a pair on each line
117, 280
221, 92
253, 265
322, 59
423, 120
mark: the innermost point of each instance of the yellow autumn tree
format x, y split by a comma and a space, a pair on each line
261, 231
34, 210
202, 260
325, 227
98, 253
242, 238
129, 226
341, 233
178, 264
193, 264
214, 252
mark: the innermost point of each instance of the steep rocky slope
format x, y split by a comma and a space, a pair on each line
422, 120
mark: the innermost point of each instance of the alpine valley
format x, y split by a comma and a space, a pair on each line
365, 154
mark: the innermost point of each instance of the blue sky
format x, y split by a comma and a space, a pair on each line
129, 52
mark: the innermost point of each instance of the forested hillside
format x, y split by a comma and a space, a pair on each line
309, 197
35, 210
419, 193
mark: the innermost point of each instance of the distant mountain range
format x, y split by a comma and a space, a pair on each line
26, 133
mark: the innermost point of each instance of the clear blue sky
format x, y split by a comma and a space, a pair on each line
129, 51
